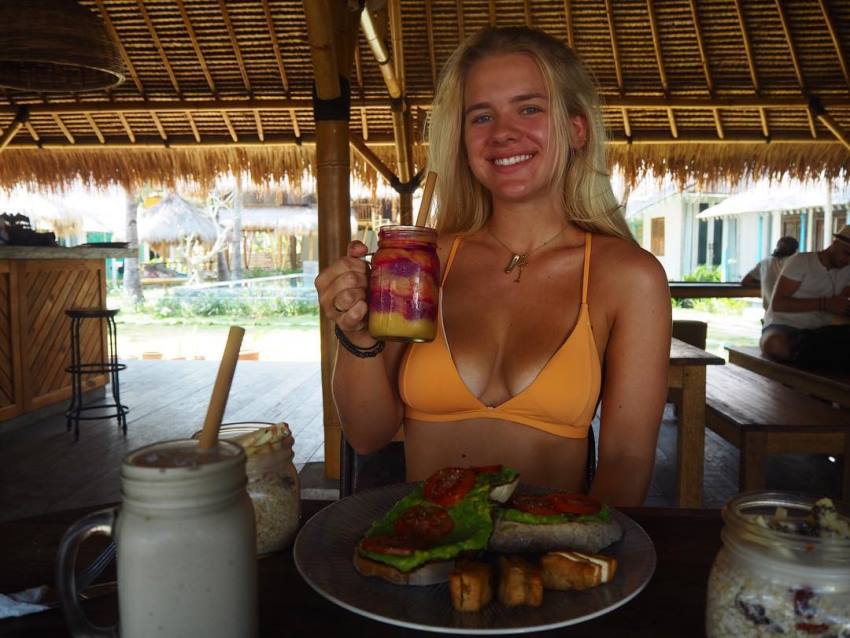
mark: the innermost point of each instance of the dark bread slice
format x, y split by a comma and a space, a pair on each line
512, 537
428, 574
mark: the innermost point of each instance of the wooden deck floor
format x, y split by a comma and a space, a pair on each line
42, 469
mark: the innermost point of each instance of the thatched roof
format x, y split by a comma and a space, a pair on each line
283, 220
173, 220
704, 88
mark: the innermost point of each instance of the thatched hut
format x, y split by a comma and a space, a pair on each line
275, 232
175, 222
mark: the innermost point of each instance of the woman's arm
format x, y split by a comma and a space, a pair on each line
635, 381
364, 388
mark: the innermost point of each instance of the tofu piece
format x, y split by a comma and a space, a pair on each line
471, 585
520, 582
568, 570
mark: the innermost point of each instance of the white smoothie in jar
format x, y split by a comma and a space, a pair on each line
186, 543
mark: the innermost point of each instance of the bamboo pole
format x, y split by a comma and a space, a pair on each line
324, 21
379, 50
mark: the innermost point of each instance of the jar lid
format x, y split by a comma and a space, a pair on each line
410, 233
790, 527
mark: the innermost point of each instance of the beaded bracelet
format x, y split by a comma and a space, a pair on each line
363, 353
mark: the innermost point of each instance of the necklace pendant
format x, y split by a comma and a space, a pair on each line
519, 261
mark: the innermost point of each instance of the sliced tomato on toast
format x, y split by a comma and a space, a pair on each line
537, 504
426, 522
448, 486
579, 504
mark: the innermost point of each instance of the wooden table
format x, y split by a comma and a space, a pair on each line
687, 371
824, 385
700, 289
673, 604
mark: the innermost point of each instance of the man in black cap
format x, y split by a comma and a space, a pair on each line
808, 321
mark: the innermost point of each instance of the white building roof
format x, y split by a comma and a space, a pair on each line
784, 197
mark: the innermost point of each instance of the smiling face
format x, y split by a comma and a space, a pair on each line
506, 127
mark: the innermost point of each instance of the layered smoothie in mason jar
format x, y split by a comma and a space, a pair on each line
404, 284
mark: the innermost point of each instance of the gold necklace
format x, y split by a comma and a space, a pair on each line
520, 260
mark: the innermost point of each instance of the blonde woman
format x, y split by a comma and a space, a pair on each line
547, 304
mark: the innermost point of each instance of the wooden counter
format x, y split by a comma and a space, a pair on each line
37, 285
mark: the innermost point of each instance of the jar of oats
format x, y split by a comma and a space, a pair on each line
272, 480
784, 568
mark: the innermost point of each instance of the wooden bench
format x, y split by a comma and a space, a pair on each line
761, 416
823, 384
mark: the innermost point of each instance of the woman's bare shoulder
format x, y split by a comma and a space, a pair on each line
625, 266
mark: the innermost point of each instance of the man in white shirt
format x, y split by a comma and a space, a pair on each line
766, 272
806, 322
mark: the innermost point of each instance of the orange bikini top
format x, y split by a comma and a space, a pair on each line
561, 400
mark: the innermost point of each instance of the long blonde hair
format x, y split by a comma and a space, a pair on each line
464, 205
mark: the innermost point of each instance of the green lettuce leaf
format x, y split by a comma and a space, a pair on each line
473, 523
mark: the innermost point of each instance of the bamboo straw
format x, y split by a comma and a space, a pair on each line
425, 205
221, 389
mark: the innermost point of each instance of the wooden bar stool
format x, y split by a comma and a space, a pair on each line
107, 365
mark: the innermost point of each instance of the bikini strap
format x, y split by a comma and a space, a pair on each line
451, 258
586, 274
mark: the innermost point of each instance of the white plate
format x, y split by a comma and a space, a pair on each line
325, 546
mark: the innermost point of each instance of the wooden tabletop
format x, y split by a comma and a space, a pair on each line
673, 604
683, 354
825, 384
698, 289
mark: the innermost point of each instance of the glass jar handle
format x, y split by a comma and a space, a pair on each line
100, 522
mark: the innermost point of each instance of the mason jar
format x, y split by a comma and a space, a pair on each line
273, 483
186, 548
767, 582
404, 284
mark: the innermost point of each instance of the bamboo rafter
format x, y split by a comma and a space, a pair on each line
128, 63
718, 123
751, 63
94, 127
14, 127
568, 20
783, 18
491, 12
615, 50
281, 68
526, 11
659, 58
127, 128
278, 57
373, 160
836, 41
429, 29
158, 45
461, 30
829, 122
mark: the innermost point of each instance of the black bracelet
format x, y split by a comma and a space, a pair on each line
363, 353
